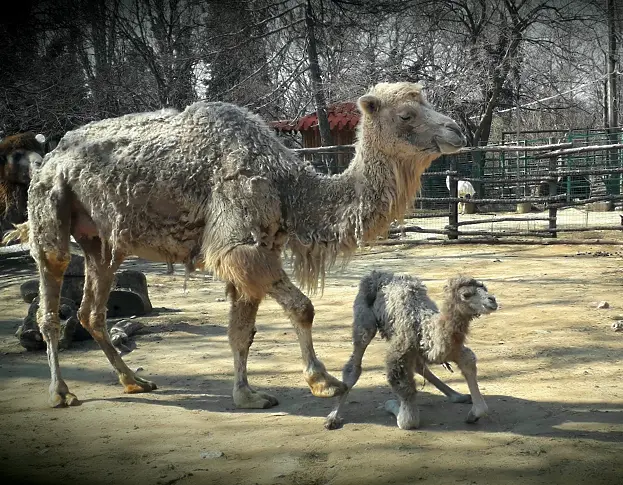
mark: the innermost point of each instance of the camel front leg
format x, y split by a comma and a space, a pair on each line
301, 312
241, 330
453, 396
466, 361
400, 368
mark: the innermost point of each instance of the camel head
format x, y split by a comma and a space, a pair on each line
17, 154
397, 117
470, 297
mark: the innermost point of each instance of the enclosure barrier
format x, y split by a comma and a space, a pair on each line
574, 188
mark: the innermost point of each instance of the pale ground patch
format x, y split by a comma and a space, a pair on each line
550, 368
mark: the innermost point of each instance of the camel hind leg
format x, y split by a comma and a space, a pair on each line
241, 331
364, 330
99, 275
452, 395
49, 211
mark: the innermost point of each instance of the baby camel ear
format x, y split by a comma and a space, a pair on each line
369, 104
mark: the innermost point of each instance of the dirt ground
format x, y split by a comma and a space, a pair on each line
551, 370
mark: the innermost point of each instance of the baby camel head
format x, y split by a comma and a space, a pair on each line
397, 117
469, 297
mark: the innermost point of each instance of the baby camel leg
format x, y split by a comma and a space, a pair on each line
364, 330
466, 361
301, 312
453, 396
400, 367
99, 275
241, 330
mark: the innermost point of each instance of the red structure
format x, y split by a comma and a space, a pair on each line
343, 119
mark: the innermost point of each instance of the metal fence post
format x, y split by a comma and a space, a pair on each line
553, 190
453, 206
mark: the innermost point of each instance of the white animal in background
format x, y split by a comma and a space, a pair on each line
465, 190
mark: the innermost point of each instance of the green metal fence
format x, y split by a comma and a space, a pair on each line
556, 174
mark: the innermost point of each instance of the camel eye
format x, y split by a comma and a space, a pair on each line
468, 294
405, 117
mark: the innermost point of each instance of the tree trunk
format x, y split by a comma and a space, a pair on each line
611, 68
316, 81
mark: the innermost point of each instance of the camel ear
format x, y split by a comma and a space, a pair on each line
369, 104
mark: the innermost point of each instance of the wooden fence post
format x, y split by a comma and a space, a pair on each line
453, 206
553, 189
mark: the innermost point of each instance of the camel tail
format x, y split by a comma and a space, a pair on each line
21, 233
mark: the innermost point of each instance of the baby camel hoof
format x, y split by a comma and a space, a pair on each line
139, 385
248, 399
333, 422
460, 399
63, 400
472, 418
406, 418
392, 407
325, 385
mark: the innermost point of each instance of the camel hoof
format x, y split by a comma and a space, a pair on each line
139, 385
333, 422
325, 385
392, 407
248, 399
472, 418
63, 400
460, 399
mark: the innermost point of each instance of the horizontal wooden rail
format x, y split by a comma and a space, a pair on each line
573, 151
496, 241
505, 219
508, 200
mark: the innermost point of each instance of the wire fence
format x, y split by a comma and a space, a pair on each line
538, 188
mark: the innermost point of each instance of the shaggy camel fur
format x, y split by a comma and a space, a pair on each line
418, 334
213, 187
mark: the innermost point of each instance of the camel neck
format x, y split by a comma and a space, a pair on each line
386, 185
331, 215
455, 323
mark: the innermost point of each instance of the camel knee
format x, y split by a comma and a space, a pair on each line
351, 373
467, 361
242, 315
55, 263
49, 325
94, 323
400, 378
241, 336
301, 311
296, 305
305, 313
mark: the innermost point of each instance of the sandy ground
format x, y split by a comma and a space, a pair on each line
550, 368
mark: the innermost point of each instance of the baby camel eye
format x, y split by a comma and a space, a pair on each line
468, 294
405, 117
